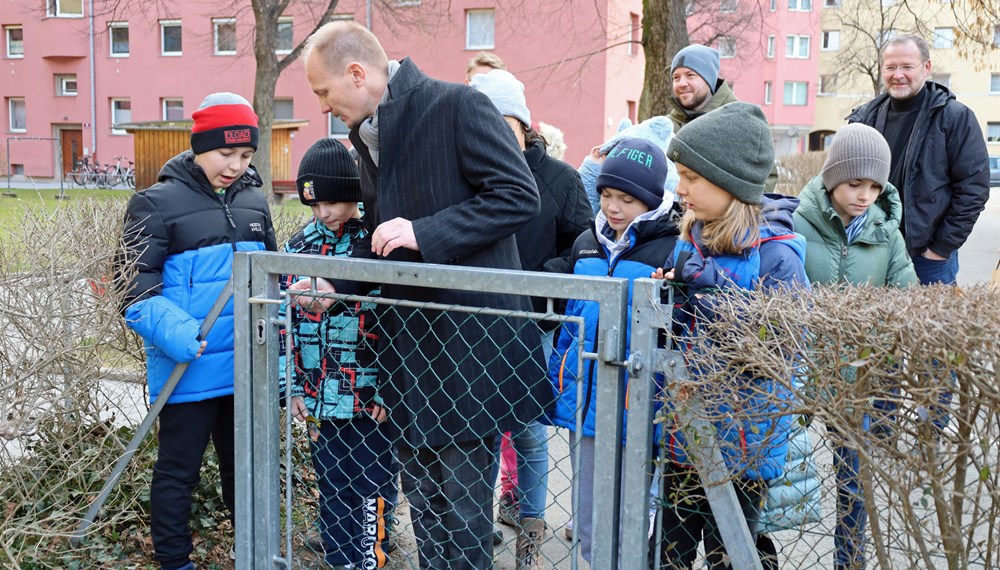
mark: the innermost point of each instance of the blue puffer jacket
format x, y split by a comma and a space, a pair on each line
754, 447
651, 238
182, 235
335, 351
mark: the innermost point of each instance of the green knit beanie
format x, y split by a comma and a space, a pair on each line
730, 147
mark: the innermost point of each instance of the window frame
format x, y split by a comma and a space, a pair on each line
291, 103
331, 122
164, 24
728, 6
771, 43
995, 128
61, 80
768, 92
468, 29
825, 83
798, 5
731, 41
798, 40
831, 3
112, 26
217, 24
163, 108
994, 83
824, 45
10, 114
53, 9
8, 42
291, 25
634, 33
805, 94
937, 38
113, 101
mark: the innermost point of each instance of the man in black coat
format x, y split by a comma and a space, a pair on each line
940, 164
442, 181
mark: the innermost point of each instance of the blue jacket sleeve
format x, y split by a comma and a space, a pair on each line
166, 326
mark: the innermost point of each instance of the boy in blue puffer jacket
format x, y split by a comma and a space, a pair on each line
631, 236
335, 377
732, 238
181, 234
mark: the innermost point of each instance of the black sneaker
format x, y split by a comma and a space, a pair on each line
497, 536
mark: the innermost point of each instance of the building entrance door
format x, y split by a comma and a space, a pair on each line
72, 147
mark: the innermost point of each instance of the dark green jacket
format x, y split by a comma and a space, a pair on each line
877, 256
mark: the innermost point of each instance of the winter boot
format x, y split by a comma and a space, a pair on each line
529, 544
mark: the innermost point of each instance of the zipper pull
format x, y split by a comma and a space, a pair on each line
229, 216
844, 254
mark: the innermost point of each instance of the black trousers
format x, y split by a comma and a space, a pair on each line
688, 519
184, 433
451, 503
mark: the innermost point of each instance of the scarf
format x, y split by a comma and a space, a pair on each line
368, 131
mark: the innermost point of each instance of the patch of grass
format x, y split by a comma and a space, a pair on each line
12, 209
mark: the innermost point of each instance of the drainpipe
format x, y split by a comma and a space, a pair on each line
368, 14
93, 88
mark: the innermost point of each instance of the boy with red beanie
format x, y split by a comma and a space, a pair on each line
181, 234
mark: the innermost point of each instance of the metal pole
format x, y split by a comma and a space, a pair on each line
93, 84
147, 422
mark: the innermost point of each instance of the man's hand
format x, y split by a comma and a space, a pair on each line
396, 233
928, 254
312, 304
299, 410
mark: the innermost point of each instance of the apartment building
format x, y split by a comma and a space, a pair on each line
75, 74
848, 63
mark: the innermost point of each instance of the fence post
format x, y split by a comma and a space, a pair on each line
243, 410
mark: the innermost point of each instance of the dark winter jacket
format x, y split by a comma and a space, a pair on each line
946, 171
334, 369
182, 236
877, 256
750, 423
450, 164
650, 239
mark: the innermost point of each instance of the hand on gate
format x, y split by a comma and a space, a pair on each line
299, 410
312, 304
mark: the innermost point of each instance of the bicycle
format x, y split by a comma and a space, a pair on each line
86, 173
117, 174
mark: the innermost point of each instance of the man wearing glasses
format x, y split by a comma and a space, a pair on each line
939, 160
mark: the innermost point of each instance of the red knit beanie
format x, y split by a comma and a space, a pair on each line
224, 120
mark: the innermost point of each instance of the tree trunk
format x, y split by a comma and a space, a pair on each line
664, 33
265, 38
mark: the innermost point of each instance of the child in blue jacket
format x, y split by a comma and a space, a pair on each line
631, 236
181, 234
334, 382
732, 237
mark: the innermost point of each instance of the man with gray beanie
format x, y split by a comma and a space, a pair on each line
698, 89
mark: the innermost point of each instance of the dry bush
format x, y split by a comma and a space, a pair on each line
796, 170
932, 493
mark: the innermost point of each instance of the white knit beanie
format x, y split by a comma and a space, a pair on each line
506, 92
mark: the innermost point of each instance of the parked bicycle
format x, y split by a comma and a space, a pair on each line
88, 174
117, 174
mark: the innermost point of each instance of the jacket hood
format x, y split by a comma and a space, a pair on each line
816, 208
646, 226
183, 169
777, 211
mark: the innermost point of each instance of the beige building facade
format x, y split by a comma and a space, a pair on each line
850, 32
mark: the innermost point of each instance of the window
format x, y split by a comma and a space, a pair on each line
17, 116
831, 3
170, 37
795, 93
768, 87
15, 41
283, 109
66, 85
770, 47
64, 8
727, 47
285, 38
941, 79
173, 109
225, 35
885, 35
119, 39
121, 112
338, 128
944, 38
405, 3
689, 9
479, 29
728, 6
996, 36
632, 111
831, 40
827, 84
995, 83
797, 47
633, 33
774, 5
800, 5
888, 2
992, 132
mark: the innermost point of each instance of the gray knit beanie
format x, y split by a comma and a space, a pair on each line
700, 59
506, 93
858, 152
730, 147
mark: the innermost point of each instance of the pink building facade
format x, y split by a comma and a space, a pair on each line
73, 76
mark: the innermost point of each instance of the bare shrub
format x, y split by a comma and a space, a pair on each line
930, 477
796, 170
